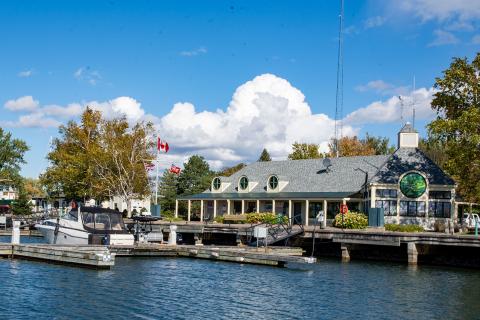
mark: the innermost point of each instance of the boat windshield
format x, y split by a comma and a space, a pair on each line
103, 221
71, 215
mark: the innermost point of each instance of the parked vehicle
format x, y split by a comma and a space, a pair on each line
469, 220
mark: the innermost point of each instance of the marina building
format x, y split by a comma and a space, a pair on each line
408, 186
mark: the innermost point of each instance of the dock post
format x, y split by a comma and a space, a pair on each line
345, 252
16, 232
172, 237
412, 253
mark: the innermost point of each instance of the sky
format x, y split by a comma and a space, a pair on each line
225, 79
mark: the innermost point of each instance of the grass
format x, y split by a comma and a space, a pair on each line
403, 227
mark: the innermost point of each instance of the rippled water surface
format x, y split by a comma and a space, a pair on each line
167, 288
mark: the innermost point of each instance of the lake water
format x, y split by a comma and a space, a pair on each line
168, 288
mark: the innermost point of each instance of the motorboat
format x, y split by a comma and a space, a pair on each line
87, 225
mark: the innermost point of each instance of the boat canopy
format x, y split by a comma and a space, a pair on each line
102, 220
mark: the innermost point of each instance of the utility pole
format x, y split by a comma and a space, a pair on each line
156, 172
339, 91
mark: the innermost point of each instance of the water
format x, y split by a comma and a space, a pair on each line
168, 288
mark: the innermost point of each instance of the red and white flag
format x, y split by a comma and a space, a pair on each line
162, 145
149, 166
175, 169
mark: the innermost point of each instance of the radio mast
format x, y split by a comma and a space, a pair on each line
339, 91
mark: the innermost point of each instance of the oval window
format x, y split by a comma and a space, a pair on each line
413, 185
243, 183
216, 183
273, 182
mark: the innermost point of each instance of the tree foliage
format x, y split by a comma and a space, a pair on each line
167, 190
457, 126
22, 206
195, 177
12, 152
33, 188
380, 145
304, 151
264, 156
100, 158
351, 146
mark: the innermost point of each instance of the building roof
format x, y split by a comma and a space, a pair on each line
408, 159
408, 128
344, 176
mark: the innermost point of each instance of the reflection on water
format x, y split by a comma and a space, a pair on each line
166, 288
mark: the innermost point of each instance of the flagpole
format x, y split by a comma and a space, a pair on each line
156, 176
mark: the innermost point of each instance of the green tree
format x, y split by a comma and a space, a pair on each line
227, 172
457, 126
304, 151
22, 206
195, 177
434, 150
380, 145
33, 188
167, 190
349, 147
265, 156
11, 156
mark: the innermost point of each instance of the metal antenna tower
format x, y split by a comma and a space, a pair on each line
413, 103
339, 91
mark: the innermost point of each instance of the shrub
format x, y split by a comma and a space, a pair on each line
170, 216
351, 220
403, 227
266, 217
219, 219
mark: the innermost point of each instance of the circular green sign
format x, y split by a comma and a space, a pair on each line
413, 185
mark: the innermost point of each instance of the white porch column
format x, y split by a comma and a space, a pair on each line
258, 206
176, 208
290, 211
228, 207
243, 206
325, 206
373, 191
273, 205
189, 209
307, 204
201, 210
214, 208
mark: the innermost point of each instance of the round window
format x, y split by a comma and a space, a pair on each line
273, 182
243, 183
413, 185
216, 183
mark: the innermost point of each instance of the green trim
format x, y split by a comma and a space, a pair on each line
268, 195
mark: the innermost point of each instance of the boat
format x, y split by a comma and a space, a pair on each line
87, 225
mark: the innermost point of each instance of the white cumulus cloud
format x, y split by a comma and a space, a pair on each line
25, 103
442, 10
25, 73
443, 38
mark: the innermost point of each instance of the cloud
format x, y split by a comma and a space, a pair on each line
374, 22
389, 110
92, 77
264, 112
443, 38
70, 111
442, 10
382, 87
25, 73
121, 106
195, 52
25, 103
34, 120
476, 39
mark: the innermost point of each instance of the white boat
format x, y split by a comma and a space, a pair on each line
87, 225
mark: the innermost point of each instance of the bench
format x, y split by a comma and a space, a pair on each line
234, 218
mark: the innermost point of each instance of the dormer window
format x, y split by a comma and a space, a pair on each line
273, 182
243, 184
216, 184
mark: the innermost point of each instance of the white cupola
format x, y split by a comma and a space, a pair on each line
408, 137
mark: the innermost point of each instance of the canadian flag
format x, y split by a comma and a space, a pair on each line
174, 169
162, 145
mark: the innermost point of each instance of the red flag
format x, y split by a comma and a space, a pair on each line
174, 169
162, 145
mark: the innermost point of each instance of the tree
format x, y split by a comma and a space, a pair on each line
195, 177
33, 188
227, 172
304, 151
434, 150
11, 156
378, 144
351, 146
265, 156
168, 191
72, 168
22, 206
457, 126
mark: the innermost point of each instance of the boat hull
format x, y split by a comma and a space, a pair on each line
64, 236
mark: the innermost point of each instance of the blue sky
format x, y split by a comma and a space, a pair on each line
228, 62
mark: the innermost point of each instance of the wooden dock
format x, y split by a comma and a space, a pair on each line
97, 257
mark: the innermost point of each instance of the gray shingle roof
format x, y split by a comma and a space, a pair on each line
344, 175
407, 128
407, 159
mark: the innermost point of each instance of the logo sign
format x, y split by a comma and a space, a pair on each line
343, 209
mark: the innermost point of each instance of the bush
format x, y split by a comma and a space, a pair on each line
351, 220
170, 216
266, 217
219, 219
403, 227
